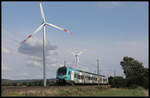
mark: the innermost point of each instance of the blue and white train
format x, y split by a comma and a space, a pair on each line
71, 75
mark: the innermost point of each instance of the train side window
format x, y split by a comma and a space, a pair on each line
78, 76
82, 77
87, 77
75, 75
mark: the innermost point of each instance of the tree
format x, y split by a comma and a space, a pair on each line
146, 78
117, 81
135, 72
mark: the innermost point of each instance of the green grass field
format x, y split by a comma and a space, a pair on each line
71, 91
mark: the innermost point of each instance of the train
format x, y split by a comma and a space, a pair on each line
69, 75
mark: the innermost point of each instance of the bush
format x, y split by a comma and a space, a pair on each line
133, 86
117, 81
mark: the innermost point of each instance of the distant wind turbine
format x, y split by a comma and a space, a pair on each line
77, 54
42, 26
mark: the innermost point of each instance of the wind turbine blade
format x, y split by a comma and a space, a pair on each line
42, 12
73, 53
80, 53
59, 28
38, 29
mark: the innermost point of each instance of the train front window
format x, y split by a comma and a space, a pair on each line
62, 71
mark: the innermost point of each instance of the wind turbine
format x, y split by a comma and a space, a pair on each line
77, 54
42, 26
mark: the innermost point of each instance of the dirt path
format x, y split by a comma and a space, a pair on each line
146, 92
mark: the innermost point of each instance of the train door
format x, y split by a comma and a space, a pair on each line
72, 75
91, 78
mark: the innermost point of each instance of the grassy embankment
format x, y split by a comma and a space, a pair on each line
71, 91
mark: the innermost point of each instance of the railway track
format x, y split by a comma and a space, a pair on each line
76, 86
57, 86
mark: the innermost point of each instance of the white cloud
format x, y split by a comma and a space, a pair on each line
54, 65
35, 58
25, 74
5, 50
4, 68
34, 47
38, 61
34, 63
52, 52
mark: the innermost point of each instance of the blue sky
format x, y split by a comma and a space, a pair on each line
108, 30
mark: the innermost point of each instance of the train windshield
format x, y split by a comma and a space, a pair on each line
62, 71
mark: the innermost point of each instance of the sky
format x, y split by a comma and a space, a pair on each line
106, 30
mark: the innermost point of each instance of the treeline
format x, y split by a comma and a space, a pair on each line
136, 75
26, 83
